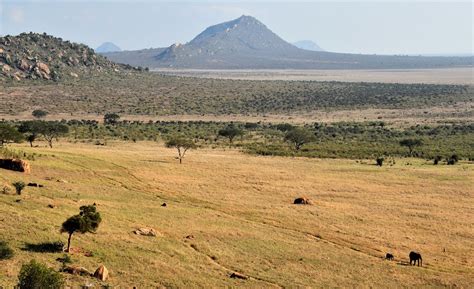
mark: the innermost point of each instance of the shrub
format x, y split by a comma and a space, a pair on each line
380, 161
5, 251
19, 186
38, 113
455, 158
35, 275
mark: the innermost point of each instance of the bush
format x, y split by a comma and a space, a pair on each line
19, 186
380, 161
5, 251
35, 275
455, 158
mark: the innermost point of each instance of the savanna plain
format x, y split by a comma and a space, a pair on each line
232, 212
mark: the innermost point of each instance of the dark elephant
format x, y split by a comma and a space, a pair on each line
414, 256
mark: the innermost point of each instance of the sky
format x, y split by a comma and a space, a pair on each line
375, 27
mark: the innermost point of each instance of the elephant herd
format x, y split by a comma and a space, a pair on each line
415, 257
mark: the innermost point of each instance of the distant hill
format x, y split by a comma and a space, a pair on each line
308, 45
246, 43
41, 56
107, 47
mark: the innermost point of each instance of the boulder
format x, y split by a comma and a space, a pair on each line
6, 68
76, 270
101, 273
146, 232
43, 67
15, 165
23, 65
302, 201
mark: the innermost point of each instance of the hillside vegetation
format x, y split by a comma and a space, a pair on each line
155, 95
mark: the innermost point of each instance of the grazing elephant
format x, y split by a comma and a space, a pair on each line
389, 256
414, 256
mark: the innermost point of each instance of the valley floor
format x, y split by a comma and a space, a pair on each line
238, 209
458, 75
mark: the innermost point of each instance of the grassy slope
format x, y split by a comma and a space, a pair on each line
238, 208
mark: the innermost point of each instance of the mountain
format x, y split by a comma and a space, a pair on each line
41, 56
107, 47
246, 43
308, 45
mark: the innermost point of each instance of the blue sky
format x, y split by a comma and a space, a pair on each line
383, 27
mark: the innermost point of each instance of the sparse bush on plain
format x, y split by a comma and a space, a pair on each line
380, 161
19, 186
34, 275
111, 118
5, 251
39, 113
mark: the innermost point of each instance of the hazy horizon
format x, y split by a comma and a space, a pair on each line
428, 28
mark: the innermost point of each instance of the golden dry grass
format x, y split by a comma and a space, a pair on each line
239, 210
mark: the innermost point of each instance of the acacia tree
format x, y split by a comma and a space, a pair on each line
31, 129
9, 134
111, 118
39, 113
87, 221
230, 132
411, 144
298, 137
52, 130
181, 144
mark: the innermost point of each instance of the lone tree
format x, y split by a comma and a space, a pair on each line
298, 137
39, 113
111, 118
9, 134
182, 144
230, 132
411, 144
52, 130
87, 221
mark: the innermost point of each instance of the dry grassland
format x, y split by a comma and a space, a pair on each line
239, 210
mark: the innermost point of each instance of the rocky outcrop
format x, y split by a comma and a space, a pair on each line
15, 165
44, 57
